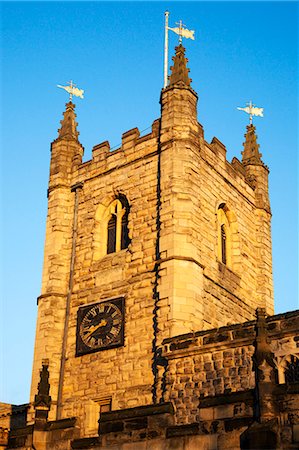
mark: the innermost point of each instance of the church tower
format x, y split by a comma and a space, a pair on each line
158, 238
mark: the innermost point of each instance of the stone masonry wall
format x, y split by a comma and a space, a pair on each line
231, 290
125, 373
195, 179
207, 364
220, 361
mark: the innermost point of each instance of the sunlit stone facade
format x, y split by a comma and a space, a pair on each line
157, 294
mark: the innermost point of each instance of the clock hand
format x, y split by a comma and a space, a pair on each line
93, 328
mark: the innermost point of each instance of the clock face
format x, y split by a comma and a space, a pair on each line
100, 326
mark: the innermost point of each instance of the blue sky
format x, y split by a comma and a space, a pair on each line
114, 51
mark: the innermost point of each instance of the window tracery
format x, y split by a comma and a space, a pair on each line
112, 232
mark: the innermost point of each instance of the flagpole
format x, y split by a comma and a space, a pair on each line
166, 50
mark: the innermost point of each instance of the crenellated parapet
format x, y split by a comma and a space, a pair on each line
133, 146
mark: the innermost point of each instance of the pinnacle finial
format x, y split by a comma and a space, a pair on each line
43, 398
68, 128
263, 350
251, 154
179, 70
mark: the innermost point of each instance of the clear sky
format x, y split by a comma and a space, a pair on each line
114, 51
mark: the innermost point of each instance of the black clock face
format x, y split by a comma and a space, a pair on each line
100, 326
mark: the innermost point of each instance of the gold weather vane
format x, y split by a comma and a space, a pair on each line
252, 110
182, 32
72, 90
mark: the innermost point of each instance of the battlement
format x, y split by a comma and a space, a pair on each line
135, 147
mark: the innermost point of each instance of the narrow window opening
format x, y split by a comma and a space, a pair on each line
111, 241
124, 232
223, 245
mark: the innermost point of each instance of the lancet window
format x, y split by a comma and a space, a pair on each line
224, 235
117, 227
111, 231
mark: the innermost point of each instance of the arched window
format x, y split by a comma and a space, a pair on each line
292, 370
112, 232
224, 235
117, 227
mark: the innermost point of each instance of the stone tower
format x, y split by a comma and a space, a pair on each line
161, 237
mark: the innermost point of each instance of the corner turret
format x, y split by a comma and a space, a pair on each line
256, 173
66, 156
66, 150
181, 141
179, 100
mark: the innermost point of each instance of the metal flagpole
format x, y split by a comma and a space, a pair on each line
166, 50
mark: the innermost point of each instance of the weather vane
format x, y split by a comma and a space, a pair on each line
182, 32
252, 110
72, 90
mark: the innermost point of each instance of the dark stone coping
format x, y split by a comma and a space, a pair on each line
221, 330
199, 427
86, 442
285, 315
139, 411
237, 423
61, 424
240, 330
183, 430
225, 399
21, 431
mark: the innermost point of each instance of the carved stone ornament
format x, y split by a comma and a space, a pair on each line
43, 399
251, 154
179, 70
68, 130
